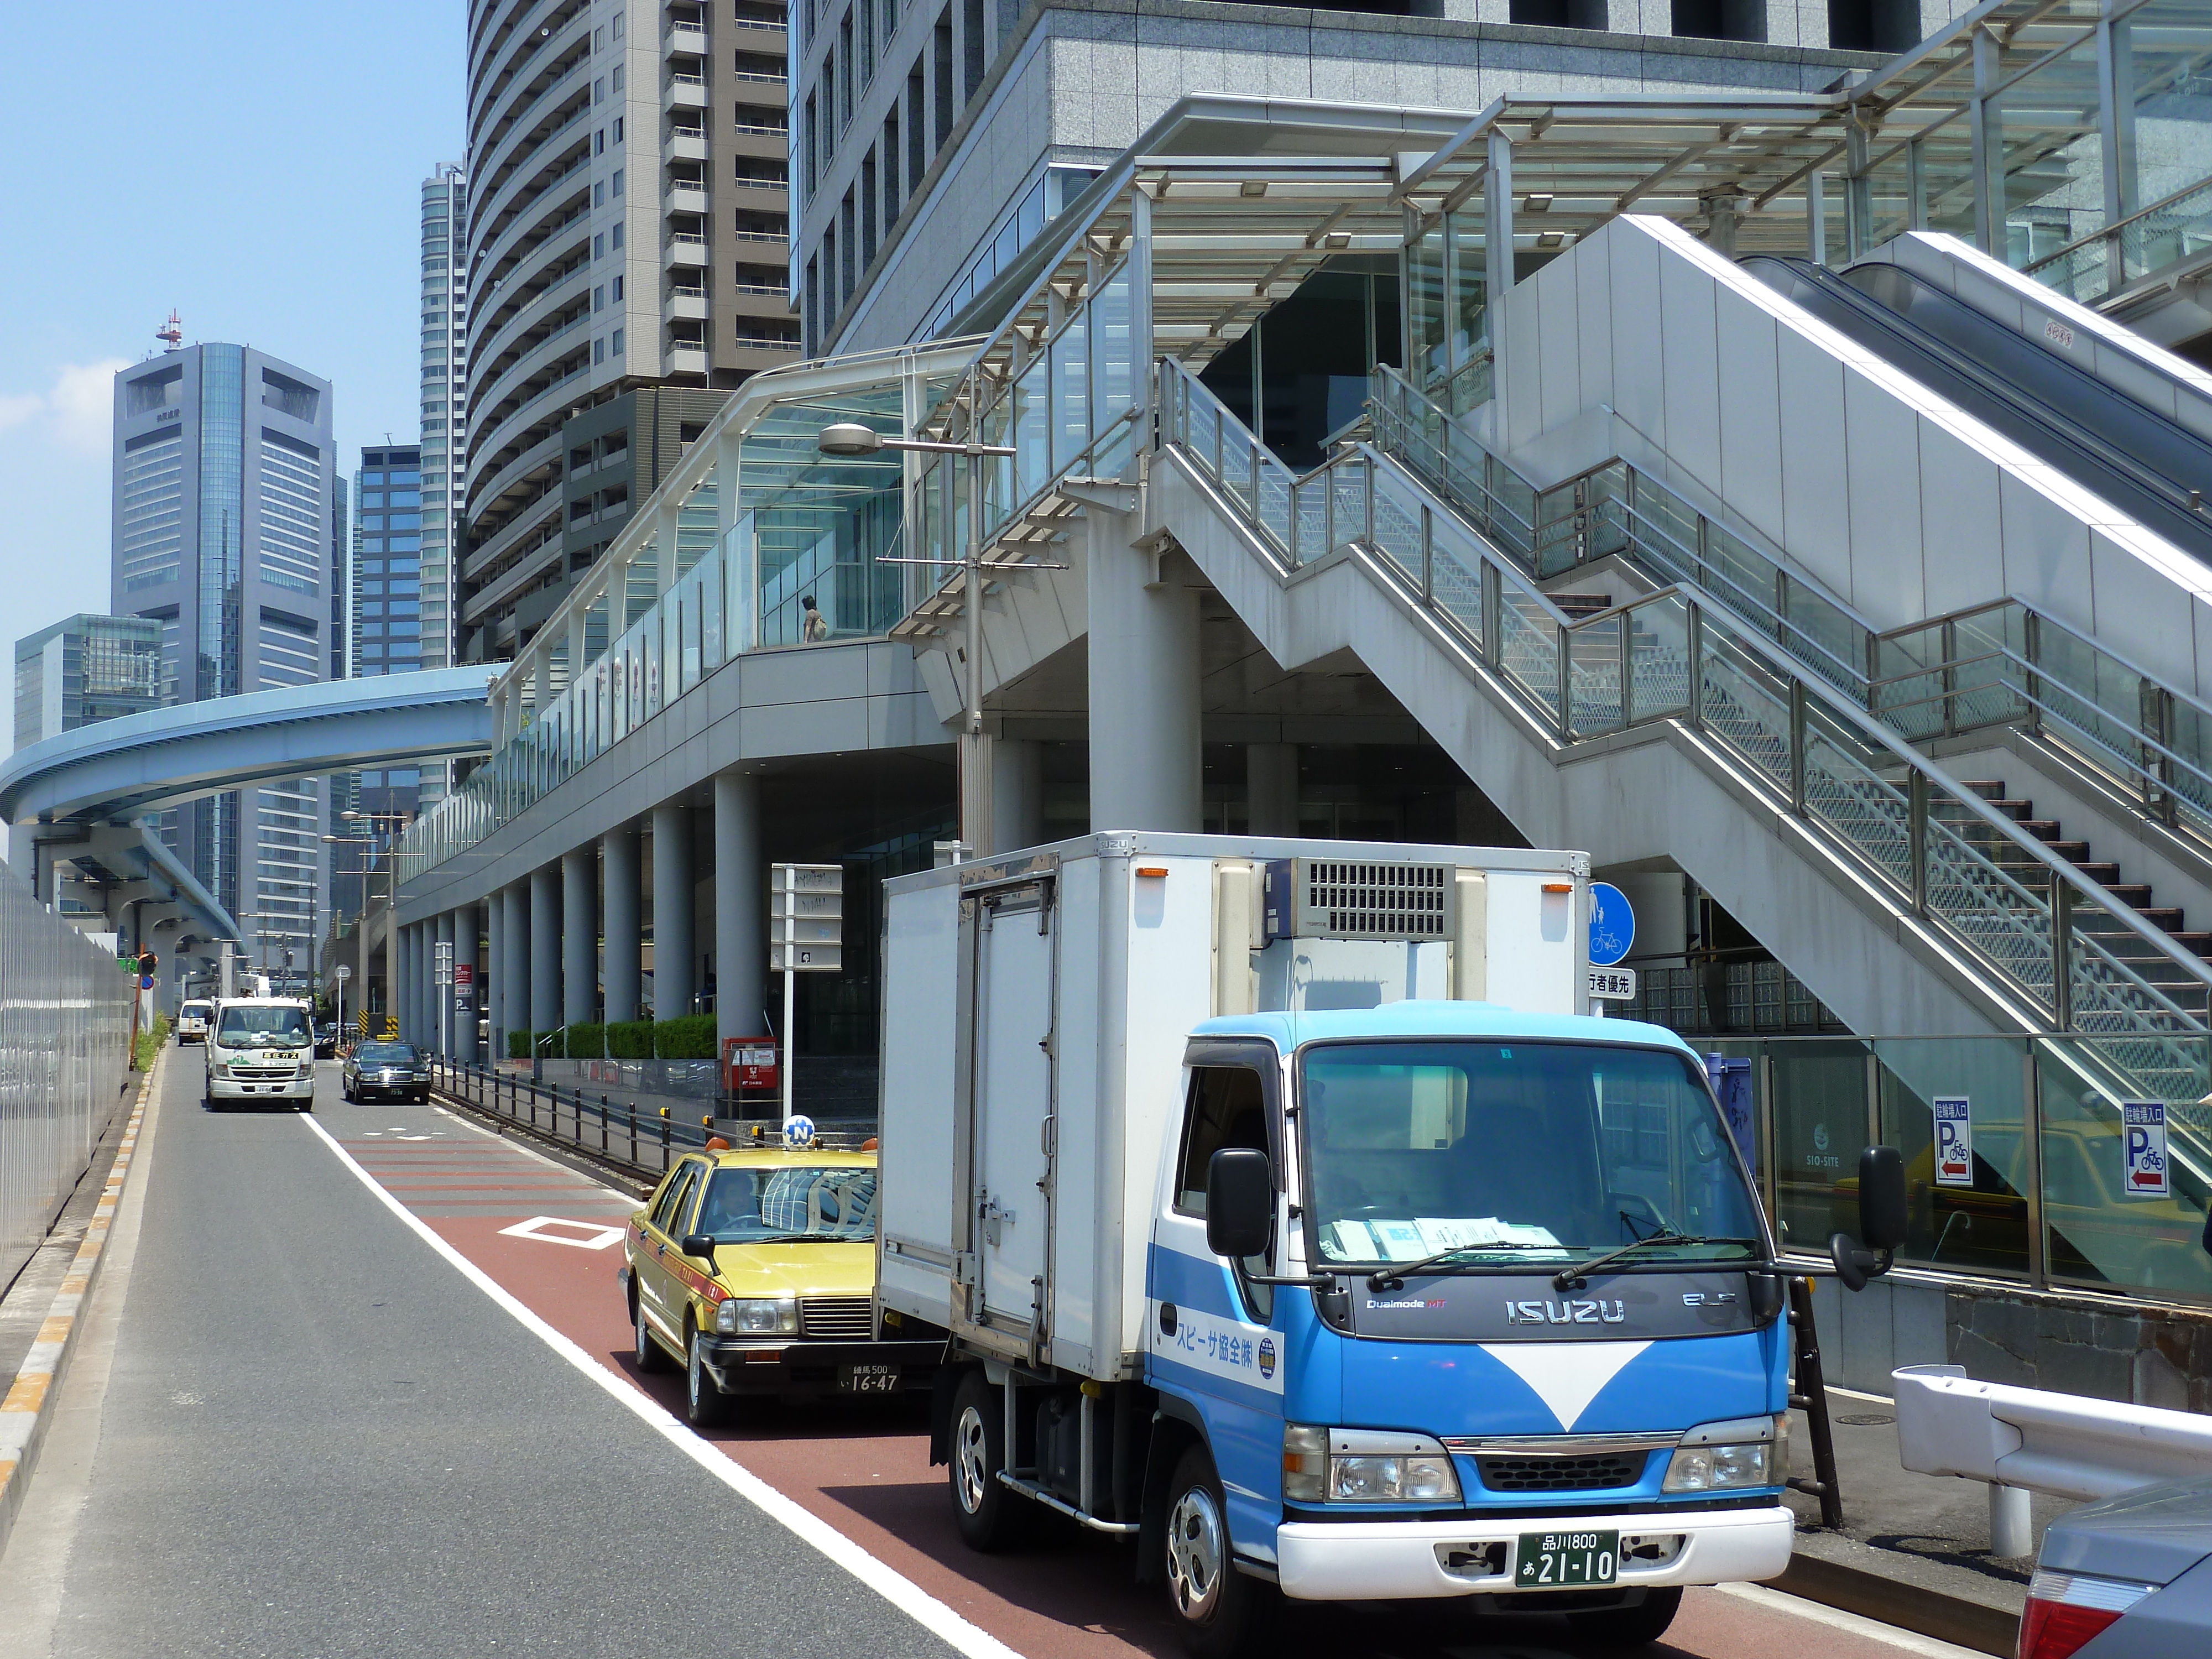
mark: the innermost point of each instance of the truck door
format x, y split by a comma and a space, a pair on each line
1211, 1331
1010, 1112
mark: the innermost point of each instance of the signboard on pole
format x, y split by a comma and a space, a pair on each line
441, 961
465, 973
807, 918
1954, 1141
2145, 1174
1612, 925
1612, 984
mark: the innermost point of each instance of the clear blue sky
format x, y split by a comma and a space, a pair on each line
253, 164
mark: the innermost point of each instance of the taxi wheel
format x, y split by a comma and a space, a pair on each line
981, 1505
705, 1405
648, 1355
1219, 1612
1627, 1627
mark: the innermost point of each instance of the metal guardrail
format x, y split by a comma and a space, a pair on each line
2031, 1438
613, 1132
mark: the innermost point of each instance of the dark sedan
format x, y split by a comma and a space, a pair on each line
387, 1071
2128, 1578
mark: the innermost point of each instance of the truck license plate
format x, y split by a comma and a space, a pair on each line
1547, 1560
867, 1379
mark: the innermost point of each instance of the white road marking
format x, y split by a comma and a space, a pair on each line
596, 1237
1873, 1630
886, 1580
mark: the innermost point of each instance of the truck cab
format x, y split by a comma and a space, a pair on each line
1454, 1301
260, 1048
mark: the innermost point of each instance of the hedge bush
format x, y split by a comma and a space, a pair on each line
630, 1039
518, 1045
690, 1038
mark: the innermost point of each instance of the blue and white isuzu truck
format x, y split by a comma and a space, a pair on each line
1292, 1217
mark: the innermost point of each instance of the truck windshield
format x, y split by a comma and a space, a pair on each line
271, 1028
747, 1207
1517, 1155
194, 1010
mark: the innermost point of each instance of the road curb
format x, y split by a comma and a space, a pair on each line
29, 1407
1908, 1607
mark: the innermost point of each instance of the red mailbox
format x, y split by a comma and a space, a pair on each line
749, 1063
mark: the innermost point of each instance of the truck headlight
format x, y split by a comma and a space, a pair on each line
1722, 1456
1358, 1466
739, 1315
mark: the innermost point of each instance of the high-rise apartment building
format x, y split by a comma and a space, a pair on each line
83, 669
445, 382
223, 516
627, 240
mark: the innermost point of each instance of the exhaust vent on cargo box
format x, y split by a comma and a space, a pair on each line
1344, 898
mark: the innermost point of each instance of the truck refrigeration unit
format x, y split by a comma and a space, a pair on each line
1291, 1215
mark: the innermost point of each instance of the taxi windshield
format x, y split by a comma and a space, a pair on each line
387, 1053
1509, 1156
825, 1201
252, 1026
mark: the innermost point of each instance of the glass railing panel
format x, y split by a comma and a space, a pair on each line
2121, 982
1594, 680
1396, 516
1116, 358
1529, 640
2053, 160
2178, 229
1742, 700
1032, 428
1311, 506
1847, 789
1991, 892
1070, 357
1658, 643
1455, 573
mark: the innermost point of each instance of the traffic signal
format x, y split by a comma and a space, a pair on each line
148, 963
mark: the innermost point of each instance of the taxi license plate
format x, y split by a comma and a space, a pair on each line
867, 1379
1548, 1560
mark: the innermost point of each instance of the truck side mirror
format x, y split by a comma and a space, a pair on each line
1240, 1202
1881, 1219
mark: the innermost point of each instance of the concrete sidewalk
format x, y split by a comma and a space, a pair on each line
1914, 1549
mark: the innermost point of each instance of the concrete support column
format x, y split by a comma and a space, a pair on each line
1271, 789
468, 930
410, 1009
675, 959
392, 978
491, 986
545, 950
1017, 794
1143, 682
740, 919
511, 969
439, 998
618, 856
579, 936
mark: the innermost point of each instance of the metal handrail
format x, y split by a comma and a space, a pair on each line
1936, 845
2115, 228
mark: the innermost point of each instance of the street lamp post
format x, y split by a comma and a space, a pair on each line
851, 440
353, 815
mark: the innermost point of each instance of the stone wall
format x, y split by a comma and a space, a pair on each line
2080, 1345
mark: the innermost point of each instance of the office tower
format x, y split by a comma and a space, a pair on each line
83, 669
626, 241
445, 382
222, 519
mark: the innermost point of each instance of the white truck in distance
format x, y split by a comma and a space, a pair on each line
1289, 1213
261, 1048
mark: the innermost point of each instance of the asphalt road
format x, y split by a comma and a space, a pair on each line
318, 1439
295, 1427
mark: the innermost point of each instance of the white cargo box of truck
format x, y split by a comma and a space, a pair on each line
1036, 1010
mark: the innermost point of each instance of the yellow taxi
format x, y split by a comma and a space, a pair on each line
755, 1270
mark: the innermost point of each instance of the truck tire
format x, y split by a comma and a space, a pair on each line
647, 1355
705, 1405
981, 1503
1221, 1612
1628, 1627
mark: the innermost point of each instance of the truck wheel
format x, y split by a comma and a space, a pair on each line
980, 1503
1628, 1627
705, 1405
1219, 1611
648, 1356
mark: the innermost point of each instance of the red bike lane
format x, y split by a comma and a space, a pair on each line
551, 1236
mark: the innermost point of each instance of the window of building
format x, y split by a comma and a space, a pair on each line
618, 77
618, 181
615, 235
619, 129
599, 351
1720, 19
867, 26
845, 72
599, 193
599, 297
599, 90
940, 46
868, 209
618, 284
618, 347
600, 246
600, 141
288, 397
972, 55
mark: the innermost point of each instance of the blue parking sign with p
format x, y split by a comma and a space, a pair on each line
2142, 1129
1954, 1141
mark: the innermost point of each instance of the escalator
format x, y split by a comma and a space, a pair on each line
2153, 468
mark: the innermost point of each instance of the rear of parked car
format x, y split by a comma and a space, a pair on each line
2128, 1578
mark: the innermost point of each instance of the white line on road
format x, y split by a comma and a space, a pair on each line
886, 1581
1873, 1630
595, 1236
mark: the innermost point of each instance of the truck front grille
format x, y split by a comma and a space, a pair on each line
837, 1318
1561, 1473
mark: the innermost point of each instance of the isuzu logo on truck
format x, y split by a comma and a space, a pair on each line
1600, 1312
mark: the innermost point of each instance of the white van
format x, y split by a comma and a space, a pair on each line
193, 1021
261, 1048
